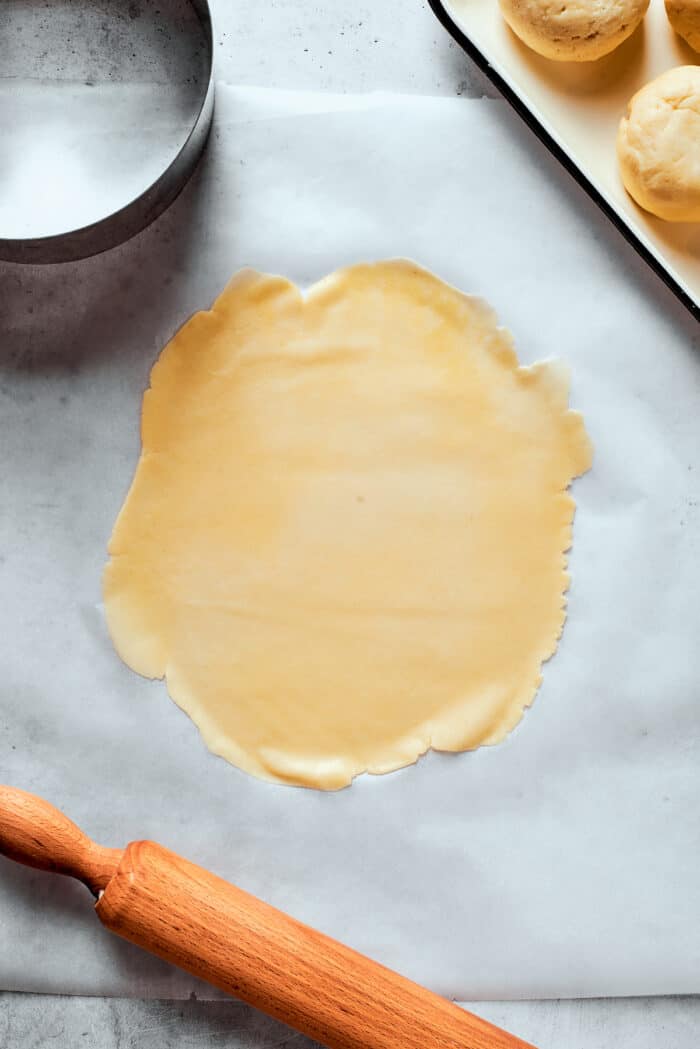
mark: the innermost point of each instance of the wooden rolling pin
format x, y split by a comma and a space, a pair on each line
219, 933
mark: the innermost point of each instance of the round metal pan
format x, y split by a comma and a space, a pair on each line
105, 107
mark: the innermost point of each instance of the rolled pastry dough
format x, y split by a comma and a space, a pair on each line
345, 539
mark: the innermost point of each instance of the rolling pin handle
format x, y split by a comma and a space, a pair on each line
38, 835
209, 928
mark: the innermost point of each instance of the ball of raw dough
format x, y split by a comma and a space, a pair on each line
684, 16
573, 30
658, 146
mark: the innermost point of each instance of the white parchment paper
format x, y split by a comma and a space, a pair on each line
563, 862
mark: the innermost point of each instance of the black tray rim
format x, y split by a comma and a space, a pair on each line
512, 97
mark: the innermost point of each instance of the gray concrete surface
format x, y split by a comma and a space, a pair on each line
43, 1022
333, 46
369, 45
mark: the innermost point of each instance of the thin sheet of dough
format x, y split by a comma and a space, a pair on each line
345, 539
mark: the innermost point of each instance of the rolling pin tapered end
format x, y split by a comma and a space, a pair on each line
38, 835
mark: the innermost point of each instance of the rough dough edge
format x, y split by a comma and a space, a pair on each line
514, 713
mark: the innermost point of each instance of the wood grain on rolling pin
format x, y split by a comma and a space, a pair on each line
201, 923
238, 943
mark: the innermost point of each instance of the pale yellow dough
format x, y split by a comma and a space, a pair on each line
658, 146
684, 16
573, 30
345, 539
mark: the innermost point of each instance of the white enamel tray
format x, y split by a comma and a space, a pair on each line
575, 108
